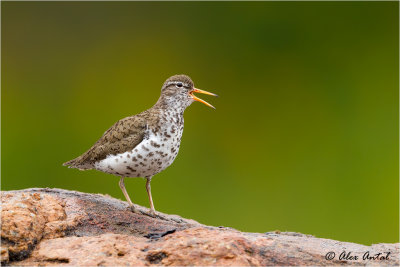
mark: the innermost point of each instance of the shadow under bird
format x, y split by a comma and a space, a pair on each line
144, 144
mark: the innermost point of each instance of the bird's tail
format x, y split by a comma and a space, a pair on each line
70, 163
77, 164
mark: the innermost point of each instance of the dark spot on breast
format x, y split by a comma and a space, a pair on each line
150, 154
134, 159
145, 148
128, 155
154, 144
116, 160
129, 168
139, 156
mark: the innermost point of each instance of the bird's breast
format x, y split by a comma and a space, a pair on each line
155, 153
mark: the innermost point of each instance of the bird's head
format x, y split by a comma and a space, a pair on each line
177, 92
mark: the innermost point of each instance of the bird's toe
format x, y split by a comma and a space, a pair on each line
151, 213
132, 209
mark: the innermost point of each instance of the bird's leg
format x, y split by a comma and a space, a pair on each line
122, 186
148, 188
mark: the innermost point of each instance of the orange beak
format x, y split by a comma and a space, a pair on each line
195, 90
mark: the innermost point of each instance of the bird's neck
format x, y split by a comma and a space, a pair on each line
171, 105
169, 115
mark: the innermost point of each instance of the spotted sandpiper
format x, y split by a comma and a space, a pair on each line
144, 144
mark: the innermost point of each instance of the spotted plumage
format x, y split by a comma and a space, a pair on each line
156, 151
144, 144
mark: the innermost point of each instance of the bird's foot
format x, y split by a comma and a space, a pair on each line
132, 208
151, 213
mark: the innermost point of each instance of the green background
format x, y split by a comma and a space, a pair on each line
304, 137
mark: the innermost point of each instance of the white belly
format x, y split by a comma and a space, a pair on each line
151, 156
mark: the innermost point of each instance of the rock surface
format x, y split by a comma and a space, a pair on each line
60, 227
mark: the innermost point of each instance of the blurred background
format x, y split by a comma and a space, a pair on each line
304, 137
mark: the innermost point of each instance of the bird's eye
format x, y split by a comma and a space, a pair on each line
179, 84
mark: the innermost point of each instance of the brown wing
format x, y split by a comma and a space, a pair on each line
123, 136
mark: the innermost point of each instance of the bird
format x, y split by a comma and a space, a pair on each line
145, 144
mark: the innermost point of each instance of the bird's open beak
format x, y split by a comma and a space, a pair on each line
195, 90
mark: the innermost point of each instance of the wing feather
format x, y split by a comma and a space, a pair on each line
123, 136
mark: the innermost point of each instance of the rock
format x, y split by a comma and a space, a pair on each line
27, 218
60, 227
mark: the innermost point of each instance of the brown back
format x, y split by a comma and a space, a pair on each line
123, 136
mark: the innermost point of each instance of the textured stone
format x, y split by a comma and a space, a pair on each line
26, 219
72, 228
